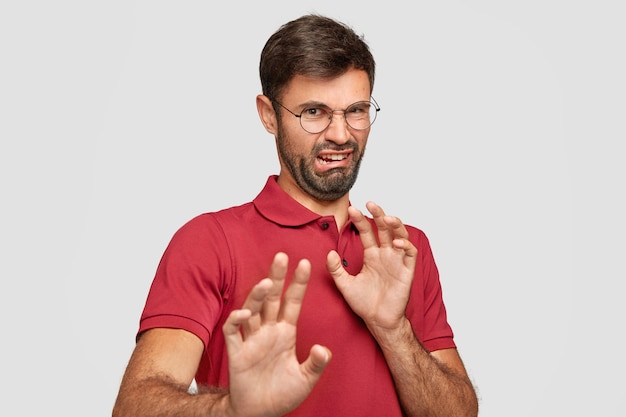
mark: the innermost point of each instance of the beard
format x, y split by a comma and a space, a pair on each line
329, 185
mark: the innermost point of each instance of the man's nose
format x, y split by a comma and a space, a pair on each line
338, 131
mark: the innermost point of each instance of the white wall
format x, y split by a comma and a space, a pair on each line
500, 135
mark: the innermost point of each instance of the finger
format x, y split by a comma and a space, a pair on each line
397, 228
315, 364
410, 251
254, 304
385, 230
271, 305
400, 239
292, 302
232, 335
366, 231
336, 269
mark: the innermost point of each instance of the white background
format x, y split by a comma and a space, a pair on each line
500, 135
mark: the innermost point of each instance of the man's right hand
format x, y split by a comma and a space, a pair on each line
265, 376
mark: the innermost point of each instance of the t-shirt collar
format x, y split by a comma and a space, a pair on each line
276, 205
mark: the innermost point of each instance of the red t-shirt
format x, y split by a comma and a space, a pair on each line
214, 260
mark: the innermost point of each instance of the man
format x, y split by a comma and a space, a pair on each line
363, 293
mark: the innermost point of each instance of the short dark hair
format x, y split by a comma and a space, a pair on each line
314, 46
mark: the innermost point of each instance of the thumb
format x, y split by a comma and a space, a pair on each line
314, 365
334, 266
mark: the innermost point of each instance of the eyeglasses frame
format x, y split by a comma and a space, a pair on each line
332, 113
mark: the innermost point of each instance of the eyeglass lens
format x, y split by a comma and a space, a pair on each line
358, 116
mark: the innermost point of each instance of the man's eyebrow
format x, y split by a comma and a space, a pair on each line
313, 103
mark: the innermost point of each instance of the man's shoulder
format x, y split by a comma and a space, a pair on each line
213, 228
417, 235
227, 214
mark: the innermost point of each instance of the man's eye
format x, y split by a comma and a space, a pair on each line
358, 109
314, 112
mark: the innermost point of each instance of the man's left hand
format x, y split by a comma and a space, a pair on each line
380, 292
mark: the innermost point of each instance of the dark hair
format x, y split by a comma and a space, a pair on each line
314, 46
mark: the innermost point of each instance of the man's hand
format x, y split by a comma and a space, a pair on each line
380, 292
266, 378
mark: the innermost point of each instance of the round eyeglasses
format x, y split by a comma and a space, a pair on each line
315, 119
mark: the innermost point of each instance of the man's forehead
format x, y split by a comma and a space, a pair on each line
345, 89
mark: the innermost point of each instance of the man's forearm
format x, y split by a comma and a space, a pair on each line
425, 386
159, 397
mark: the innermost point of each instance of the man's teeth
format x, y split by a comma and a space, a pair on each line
329, 158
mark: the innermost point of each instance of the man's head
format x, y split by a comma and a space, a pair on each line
314, 46
317, 77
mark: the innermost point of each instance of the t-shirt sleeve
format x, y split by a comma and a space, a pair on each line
426, 309
190, 285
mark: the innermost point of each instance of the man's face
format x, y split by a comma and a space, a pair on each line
323, 165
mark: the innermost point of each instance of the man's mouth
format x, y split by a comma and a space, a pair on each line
330, 158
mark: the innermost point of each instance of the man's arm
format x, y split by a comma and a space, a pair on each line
158, 376
427, 384
265, 376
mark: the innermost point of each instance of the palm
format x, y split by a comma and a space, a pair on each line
266, 368
266, 378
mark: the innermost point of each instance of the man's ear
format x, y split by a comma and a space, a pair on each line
267, 114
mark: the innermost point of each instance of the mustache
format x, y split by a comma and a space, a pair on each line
351, 145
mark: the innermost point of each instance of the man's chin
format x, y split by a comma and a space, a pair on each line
336, 187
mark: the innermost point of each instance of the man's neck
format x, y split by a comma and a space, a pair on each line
337, 208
